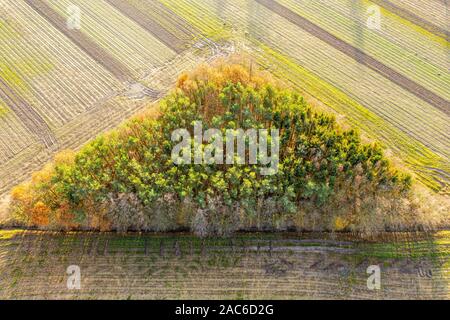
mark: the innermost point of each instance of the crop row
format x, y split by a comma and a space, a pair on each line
360, 94
13, 136
420, 58
121, 267
66, 76
121, 37
171, 22
415, 117
148, 24
62, 81
56, 78
103, 115
431, 14
46, 81
416, 155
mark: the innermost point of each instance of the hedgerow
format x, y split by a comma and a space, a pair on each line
327, 179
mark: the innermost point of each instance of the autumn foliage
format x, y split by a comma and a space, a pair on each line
327, 178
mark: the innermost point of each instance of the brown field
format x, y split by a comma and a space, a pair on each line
60, 88
27, 115
250, 266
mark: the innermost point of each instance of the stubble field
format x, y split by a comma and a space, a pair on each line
249, 266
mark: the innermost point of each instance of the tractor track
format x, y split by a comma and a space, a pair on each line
27, 115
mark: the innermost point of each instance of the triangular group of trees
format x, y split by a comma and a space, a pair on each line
326, 178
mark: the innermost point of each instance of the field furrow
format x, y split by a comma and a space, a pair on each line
45, 71
416, 131
419, 56
14, 137
417, 156
87, 45
167, 18
107, 113
355, 53
432, 15
391, 83
62, 80
27, 115
123, 38
148, 24
146, 266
